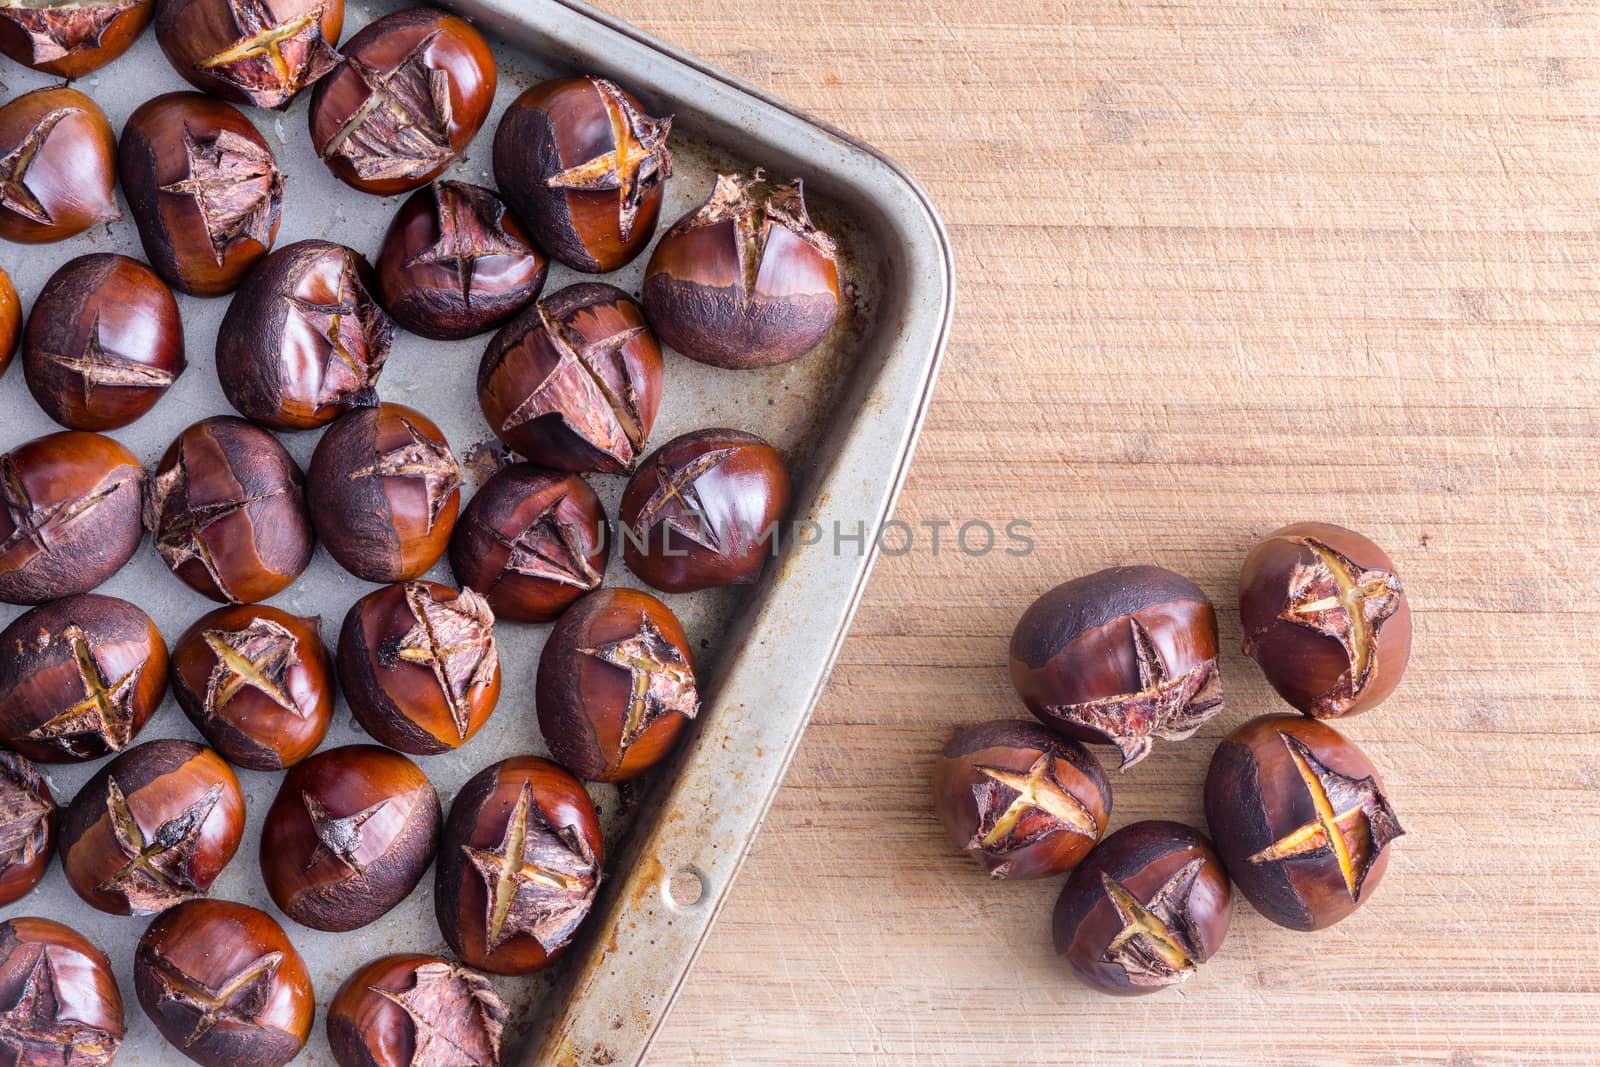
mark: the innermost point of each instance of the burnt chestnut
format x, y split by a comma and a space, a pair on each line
616, 685
257, 682
259, 52
415, 1011
349, 836
1326, 617
205, 190
519, 866
414, 89
532, 541
79, 678
1024, 802
586, 169
304, 340
70, 38
1300, 817
226, 509
224, 985
64, 1005
10, 320
574, 383
27, 827
1120, 657
153, 827
747, 280
705, 510
456, 263
58, 170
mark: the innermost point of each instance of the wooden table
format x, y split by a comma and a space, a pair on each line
1222, 265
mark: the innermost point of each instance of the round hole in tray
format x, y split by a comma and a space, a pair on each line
685, 888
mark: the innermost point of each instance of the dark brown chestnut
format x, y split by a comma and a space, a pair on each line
1147, 907
1326, 617
1024, 802
519, 866
747, 280
205, 190
586, 169
224, 985
70, 38
414, 89
64, 1005
10, 320
257, 682
616, 685
532, 541
27, 827
705, 510
304, 340
1300, 817
575, 382
455, 263
79, 677
1120, 657
153, 827
226, 508
259, 52
415, 1011
58, 166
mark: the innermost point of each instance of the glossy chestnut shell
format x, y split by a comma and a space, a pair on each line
27, 827
405, 1010
10, 320
70, 38
58, 166
63, 995
259, 52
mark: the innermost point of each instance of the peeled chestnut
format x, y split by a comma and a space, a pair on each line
705, 510
519, 866
58, 170
349, 835
205, 190
1120, 657
227, 511
70, 38
79, 677
154, 827
532, 541
64, 1007
575, 382
304, 340
747, 280
1024, 802
224, 985
1325, 616
10, 320
257, 682
414, 89
415, 1011
616, 685
259, 52
27, 827
1300, 817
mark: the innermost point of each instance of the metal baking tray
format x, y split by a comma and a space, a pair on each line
847, 416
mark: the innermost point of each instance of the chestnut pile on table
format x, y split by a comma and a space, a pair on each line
571, 382
1299, 819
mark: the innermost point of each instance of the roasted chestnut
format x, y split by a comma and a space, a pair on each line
1147, 907
415, 1011
58, 170
1024, 802
224, 985
532, 542
1300, 817
384, 489
519, 867
64, 1004
10, 320
153, 827
303, 339
705, 510
259, 52
456, 263
79, 677
414, 89
575, 382
257, 682
226, 508
70, 38
27, 827
1325, 616
586, 169
205, 190
616, 685
1120, 657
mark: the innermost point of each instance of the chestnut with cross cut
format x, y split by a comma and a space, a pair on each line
1325, 616
259, 52
61, 1001
1022, 801
153, 827
79, 677
58, 167
71, 38
415, 1011
519, 867
27, 826
224, 985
